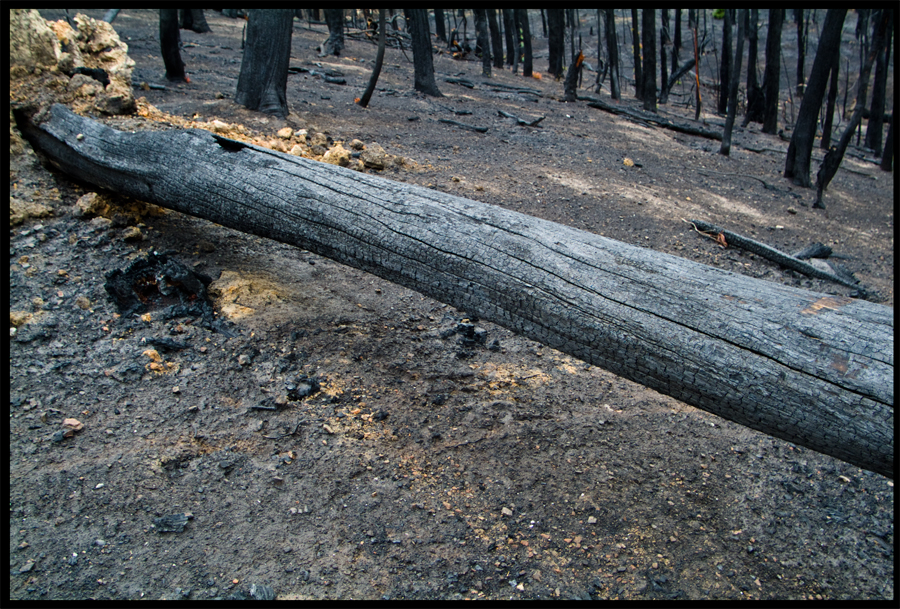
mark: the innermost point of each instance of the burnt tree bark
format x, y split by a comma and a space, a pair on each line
725, 66
334, 44
423, 63
193, 19
735, 76
636, 50
612, 49
509, 28
484, 41
835, 154
170, 43
556, 45
262, 83
875, 125
772, 75
796, 164
439, 28
812, 369
648, 38
525, 29
496, 38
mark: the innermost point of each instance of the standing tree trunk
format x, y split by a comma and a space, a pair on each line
334, 44
509, 29
556, 40
796, 165
875, 125
193, 19
612, 48
801, 50
496, 39
379, 60
830, 104
725, 67
648, 37
664, 41
262, 83
741, 16
772, 75
755, 97
481, 31
636, 47
676, 40
423, 63
810, 368
439, 28
527, 64
835, 155
170, 43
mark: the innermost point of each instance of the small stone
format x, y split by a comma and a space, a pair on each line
132, 233
244, 360
506, 511
328, 428
357, 144
285, 133
337, 156
592, 520
28, 566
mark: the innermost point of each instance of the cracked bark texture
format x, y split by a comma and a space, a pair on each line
810, 368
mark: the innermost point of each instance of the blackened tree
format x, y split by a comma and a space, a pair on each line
439, 28
725, 148
612, 48
496, 39
193, 19
334, 44
801, 48
417, 24
556, 36
170, 43
481, 30
875, 126
828, 121
262, 83
525, 29
772, 75
648, 37
756, 101
509, 29
636, 48
835, 154
796, 165
725, 66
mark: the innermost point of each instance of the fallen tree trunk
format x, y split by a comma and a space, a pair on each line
812, 369
653, 119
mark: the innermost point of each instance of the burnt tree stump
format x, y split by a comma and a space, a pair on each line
810, 368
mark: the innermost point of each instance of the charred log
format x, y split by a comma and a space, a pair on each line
812, 369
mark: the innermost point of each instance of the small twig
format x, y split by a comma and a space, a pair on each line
464, 126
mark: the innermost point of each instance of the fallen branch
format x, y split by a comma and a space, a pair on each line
777, 256
464, 126
812, 369
647, 117
461, 81
520, 121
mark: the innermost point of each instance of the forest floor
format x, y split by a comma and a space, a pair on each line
424, 467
